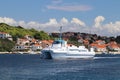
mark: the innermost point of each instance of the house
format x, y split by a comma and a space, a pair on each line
45, 43
28, 37
4, 35
113, 46
99, 46
22, 41
27, 43
36, 46
20, 47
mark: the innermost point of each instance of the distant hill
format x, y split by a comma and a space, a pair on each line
19, 32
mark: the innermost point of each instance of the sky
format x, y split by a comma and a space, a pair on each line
100, 17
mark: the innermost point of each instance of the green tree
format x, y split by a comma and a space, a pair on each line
41, 35
118, 39
6, 45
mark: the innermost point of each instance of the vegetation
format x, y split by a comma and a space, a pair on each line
19, 32
118, 39
74, 40
41, 35
6, 45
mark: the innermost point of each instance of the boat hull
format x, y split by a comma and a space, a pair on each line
70, 56
66, 55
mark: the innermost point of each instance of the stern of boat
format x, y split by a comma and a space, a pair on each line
46, 54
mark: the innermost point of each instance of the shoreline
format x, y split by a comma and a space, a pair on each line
107, 52
20, 52
38, 52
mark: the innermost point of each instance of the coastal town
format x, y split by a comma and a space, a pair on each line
101, 44
59, 40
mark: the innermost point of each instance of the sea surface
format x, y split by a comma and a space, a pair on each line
32, 67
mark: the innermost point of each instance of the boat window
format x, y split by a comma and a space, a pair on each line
73, 49
78, 50
82, 50
57, 42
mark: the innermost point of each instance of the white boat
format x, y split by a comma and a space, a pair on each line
60, 50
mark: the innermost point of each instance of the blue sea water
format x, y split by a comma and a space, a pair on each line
32, 67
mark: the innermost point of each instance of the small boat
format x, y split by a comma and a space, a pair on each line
60, 50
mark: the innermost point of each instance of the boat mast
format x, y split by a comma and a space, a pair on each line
60, 32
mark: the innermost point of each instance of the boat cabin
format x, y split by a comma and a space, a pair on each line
59, 43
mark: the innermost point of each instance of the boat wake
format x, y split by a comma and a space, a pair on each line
105, 57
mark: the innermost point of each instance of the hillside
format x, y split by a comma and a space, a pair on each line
19, 32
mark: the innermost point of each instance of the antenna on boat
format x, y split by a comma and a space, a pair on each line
60, 32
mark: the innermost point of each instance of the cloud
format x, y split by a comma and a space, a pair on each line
99, 20
70, 8
73, 25
7, 20
22, 23
109, 29
52, 22
77, 21
64, 21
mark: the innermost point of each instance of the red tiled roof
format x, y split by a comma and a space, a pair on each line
3, 33
46, 42
99, 46
36, 44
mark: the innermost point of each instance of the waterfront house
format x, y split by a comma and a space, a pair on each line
20, 47
36, 46
99, 46
113, 46
28, 43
